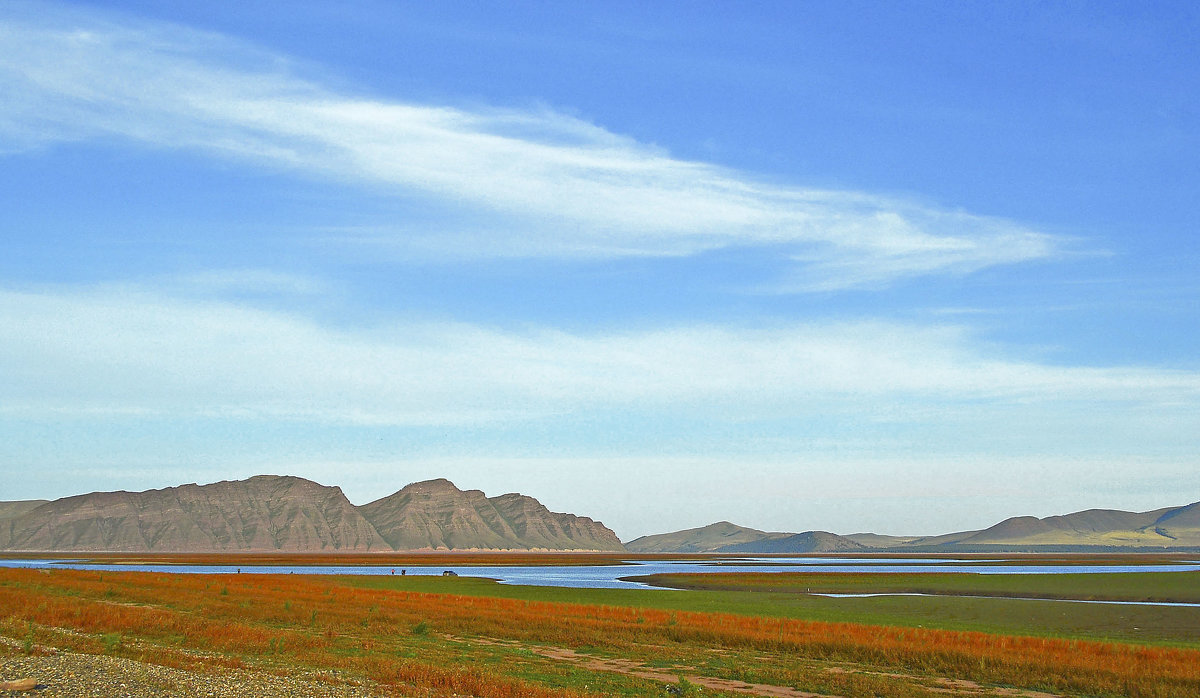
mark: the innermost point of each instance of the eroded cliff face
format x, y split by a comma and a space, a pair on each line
437, 515
264, 513
539, 527
291, 514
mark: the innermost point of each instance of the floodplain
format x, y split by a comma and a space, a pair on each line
768, 634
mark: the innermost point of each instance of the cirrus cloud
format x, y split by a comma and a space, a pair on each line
130, 350
523, 182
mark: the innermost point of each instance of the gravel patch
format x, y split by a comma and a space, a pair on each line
96, 676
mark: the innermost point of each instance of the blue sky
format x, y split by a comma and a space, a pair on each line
902, 267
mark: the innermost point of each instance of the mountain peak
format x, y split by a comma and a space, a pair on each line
439, 484
436, 515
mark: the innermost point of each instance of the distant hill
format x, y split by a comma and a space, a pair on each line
1172, 527
725, 537
706, 539
291, 514
876, 540
807, 542
437, 515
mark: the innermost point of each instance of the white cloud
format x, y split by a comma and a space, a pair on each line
128, 350
548, 184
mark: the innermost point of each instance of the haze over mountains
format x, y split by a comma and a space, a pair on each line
291, 514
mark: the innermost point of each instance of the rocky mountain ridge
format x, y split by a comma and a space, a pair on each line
437, 515
290, 514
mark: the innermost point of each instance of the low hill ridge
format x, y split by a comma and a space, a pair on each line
1171, 527
705, 539
807, 542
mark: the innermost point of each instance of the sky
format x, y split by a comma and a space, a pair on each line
907, 267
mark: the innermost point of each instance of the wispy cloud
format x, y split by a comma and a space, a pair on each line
243, 282
136, 351
546, 184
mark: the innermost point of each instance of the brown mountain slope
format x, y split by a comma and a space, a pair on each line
705, 539
11, 510
437, 515
538, 527
264, 513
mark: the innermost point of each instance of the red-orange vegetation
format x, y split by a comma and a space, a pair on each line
315, 619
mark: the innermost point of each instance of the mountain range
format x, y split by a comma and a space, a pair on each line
1172, 527
291, 514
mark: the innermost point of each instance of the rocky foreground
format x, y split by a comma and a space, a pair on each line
72, 675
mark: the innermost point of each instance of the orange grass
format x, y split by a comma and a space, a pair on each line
319, 622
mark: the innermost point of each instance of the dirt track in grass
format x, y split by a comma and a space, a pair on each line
941, 685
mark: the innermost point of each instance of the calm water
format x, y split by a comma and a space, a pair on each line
608, 576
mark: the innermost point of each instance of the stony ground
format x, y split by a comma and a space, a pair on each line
96, 676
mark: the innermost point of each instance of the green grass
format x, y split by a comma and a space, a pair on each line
1114, 586
1177, 626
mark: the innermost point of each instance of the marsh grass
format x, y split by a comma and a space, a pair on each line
1182, 586
1174, 626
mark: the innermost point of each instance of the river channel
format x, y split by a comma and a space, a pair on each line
609, 576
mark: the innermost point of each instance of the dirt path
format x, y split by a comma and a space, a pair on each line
957, 687
632, 668
629, 667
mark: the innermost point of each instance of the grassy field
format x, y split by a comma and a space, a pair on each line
1171, 626
432, 636
1119, 586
